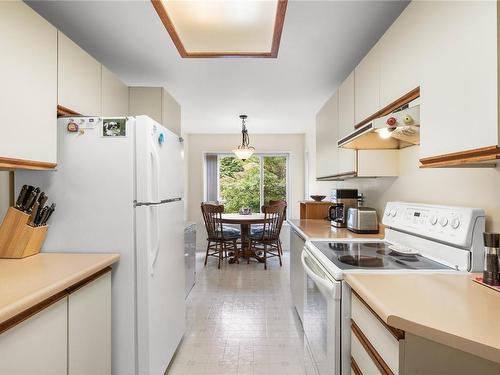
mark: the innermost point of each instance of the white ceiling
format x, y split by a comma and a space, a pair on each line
322, 42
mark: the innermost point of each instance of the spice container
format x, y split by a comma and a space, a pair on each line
491, 272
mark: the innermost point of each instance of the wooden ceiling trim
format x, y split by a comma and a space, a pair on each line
169, 26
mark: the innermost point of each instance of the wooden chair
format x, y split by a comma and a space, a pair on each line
220, 237
257, 229
268, 240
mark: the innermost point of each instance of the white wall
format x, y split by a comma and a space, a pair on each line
198, 144
4, 193
470, 187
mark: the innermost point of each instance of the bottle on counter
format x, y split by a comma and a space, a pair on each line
491, 273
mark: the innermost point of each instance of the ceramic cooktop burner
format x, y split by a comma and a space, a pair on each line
366, 255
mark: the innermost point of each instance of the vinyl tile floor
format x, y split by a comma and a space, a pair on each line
240, 320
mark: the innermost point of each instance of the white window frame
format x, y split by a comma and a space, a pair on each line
261, 156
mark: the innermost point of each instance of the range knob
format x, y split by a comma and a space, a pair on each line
393, 213
433, 220
443, 221
387, 213
455, 223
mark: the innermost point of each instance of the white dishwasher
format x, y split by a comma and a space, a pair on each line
297, 272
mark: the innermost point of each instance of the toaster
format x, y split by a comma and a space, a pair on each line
362, 220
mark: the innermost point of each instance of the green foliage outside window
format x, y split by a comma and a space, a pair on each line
240, 181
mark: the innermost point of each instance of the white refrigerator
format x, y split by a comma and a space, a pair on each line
118, 188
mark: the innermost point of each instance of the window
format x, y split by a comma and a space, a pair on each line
250, 183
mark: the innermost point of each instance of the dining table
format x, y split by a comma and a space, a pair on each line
245, 221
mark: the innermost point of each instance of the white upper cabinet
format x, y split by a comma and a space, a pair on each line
367, 86
114, 95
28, 88
79, 79
326, 138
347, 158
400, 55
459, 90
158, 104
171, 113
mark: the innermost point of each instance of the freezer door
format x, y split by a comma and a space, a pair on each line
159, 163
160, 284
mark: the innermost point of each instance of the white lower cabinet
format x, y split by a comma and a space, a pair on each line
377, 348
71, 336
89, 328
38, 345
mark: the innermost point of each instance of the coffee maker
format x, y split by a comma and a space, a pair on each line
342, 200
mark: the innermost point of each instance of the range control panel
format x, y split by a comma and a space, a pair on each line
449, 224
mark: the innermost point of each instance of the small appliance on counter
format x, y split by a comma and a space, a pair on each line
362, 220
342, 200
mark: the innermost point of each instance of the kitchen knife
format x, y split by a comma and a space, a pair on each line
33, 215
42, 199
20, 198
39, 216
29, 202
45, 216
48, 214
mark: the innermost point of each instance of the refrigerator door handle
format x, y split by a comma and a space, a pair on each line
155, 234
154, 173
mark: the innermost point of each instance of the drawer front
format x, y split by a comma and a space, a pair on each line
365, 364
381, 338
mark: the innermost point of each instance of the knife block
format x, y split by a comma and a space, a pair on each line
17, 238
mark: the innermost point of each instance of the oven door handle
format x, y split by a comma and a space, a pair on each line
328, 285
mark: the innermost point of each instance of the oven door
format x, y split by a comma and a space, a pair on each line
322, 299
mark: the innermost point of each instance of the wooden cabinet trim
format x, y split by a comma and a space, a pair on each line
337, 177
11, 163
397, 333
88, 280
474, 157
372, 352
63, 111
355, 368
405, 99
35, 309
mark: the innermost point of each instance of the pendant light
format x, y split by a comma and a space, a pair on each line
244, 151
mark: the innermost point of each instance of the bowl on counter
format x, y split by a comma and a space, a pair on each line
318, 198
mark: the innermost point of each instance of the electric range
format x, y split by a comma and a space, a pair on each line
418, 238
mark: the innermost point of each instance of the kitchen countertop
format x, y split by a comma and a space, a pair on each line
321, 229
29, 281
447, 308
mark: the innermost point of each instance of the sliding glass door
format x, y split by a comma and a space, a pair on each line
253, 182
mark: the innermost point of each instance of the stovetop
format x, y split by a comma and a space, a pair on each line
373, 255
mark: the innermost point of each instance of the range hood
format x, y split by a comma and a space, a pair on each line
396, 130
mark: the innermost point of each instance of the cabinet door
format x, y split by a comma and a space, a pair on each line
171, 113
79, 78
400, 55
459, 91
297, 272
146, 101
114, 95
38, 345
89, 328
346, 158
326, 138
28, 88
367, 86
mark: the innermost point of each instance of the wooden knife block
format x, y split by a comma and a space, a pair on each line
17, 238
